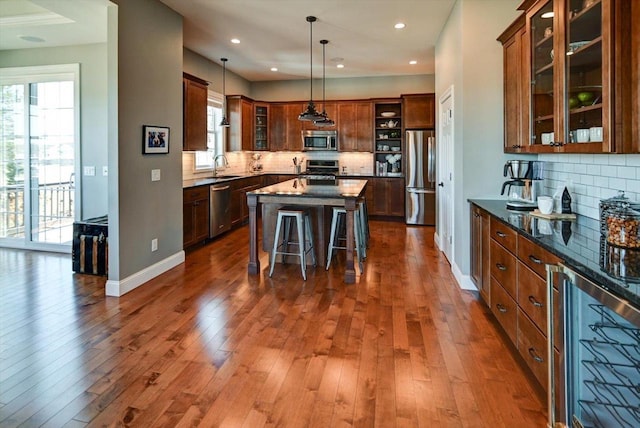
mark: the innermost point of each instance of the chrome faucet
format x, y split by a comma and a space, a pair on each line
225, 163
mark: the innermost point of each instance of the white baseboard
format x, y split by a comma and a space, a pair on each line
464, 281
119, 288
436, 240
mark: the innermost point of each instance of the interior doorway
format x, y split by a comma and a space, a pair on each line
444, 236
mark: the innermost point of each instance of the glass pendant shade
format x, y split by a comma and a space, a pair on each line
224, 122
324, 121
310, 114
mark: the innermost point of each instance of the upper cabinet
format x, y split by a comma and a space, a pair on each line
240, 131
194, 118
261, 126
578, 92
419, 111
355, 133
285, 130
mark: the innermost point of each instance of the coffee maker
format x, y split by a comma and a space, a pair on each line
522, 185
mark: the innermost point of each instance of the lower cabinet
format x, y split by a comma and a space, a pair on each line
239, 188
518, 288
385, 196
195, 212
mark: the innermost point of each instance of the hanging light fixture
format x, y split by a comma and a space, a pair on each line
325, 121
224, 122
310, 113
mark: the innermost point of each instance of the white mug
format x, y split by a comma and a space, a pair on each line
582, 135
595, 134
545, 204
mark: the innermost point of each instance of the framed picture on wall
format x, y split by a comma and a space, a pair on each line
155, 139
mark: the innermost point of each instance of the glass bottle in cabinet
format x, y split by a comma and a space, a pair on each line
584, 102
543, 96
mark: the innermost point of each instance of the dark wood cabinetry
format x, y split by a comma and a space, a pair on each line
480, 241
194, 93
195, 212
419, 111
239, 188
240, 131
573, 76
354, 126
285, 130
385, 197
389, 139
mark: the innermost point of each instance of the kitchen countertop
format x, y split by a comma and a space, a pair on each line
222, 178
302, 187
580, 245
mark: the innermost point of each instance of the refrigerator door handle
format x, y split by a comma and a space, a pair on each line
420, 191
431, 160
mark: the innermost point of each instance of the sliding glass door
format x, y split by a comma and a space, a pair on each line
38, 152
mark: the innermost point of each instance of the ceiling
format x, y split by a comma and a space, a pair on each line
275, 33
45, 23
272, 33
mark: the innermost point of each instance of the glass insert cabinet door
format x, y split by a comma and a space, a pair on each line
543, 96
585, 97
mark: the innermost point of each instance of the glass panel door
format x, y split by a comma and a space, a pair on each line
584, 107
37, 156
543, 96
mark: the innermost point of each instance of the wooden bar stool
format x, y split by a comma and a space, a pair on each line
338, 233
286, 216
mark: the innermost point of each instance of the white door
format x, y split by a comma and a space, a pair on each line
444, 238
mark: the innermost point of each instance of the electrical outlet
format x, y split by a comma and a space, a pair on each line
105, 171
154, 244
155, 175
89, 170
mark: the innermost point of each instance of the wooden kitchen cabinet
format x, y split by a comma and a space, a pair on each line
194, 116
480, 244
354, 126
385, 197
516, 123
285, 130
240, 115
261, 126
195, 212
419, 111
579, 65
239, 188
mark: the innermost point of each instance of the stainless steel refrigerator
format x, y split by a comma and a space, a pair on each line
420, 177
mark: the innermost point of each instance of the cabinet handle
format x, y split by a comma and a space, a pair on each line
535, 356
501, 267
534, 302
500, 234
501, 308
535, 259
476, 215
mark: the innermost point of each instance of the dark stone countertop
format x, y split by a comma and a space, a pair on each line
580, 245
222, 178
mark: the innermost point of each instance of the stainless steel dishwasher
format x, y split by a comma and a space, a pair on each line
219, 210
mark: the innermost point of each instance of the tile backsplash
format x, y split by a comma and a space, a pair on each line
281, 162
591, 178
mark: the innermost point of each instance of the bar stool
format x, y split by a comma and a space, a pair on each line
302, 218
338, 233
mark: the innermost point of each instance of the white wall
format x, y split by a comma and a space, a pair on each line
93, 111
205, 69
469, 58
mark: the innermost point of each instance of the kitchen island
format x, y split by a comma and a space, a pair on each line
319, 194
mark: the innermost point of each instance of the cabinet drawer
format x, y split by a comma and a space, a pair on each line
195, 194
503, 267
532, 345
532, 296
504, 308
535, 256
503, 234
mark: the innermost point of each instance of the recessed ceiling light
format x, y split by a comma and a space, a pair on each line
399, 26
413, 62
33, 39
340, 65
547, 15
235, 41
274, 68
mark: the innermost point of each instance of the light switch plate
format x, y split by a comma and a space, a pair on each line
155, 175
89, 170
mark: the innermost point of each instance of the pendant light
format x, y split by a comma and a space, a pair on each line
224, 122
310, 114
325, 121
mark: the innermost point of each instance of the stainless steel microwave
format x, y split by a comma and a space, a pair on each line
319, 140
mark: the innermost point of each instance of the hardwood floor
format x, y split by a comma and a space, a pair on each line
204, 344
